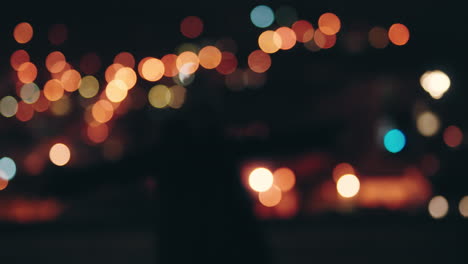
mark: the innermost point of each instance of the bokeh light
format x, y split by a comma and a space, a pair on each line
42, 103
269, 41
97, 134
102, 111
262, 16
89, 86
463, 206
3, 182
111, 71
170, 66
398, 34
125, 59
159, 96
116, 91
27, 72
191, 27
329, 24
261, 179
23, 33
71, 80
8, 106
284, 179
428, 123
25, 112
210, 57
127, 75
438, 207
19, 57
259, 61
288, 37
53, 90
453, 136
228, 63
8, 167
324, 41
30, 93
270, 197
348, 185
342, 169
55, 62
177, 96
187, 62
378, 37
394, 141
61, 107
151, 69
59, 154
436, 83
304, 31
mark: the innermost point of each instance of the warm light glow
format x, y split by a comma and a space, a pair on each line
262, 16
8, 106
30, 93
453, 136
398, 34
284, 178
187, 62
23, 33
151, 69
428, 124
27, 72
25, 112
111, 71
98, 134
259, 61
261, 179
270, 197
53, 90
463, 206
170, 67
127, 75
210, 57
55, 62
102, 111
116, 91
191, 27
324, 41
342, 169
125, 59
18, 57
329, 24
269, 41
61, 107
42, 104
394, 141
288, 37
228, 63
71, 80
304, 31
378, 37
436, 83
159, 96
177, 96
438, 207
59, 154
348, 186
3, 182
89, 86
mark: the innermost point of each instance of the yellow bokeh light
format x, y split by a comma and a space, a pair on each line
438, 207
436, 83
348, 185
210, 57
187, 62
270, 197
127, 75
159, 96
463, 206
61, 107
261, 179
428, 124
269, 41
116, 91
59, 154
177, 96
89, 86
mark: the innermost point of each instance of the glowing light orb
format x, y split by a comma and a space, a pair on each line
463, 206
116, 91
453, 136
159, 96
262, 16
8, 106
261, 179
23, 33
329, 24
428, 124
30, 93
436, 83
438, 207
89, 86
270, 197
59, 154
8, 167
348, 185
398, 34
284, 178
394, 141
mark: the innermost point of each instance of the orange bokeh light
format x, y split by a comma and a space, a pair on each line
453, 136
329, 24
151, 69
269, 41
18, 57
71, 80
288, 37
25, 112
324, 41
191, 26
210, 57
187, 62
284, 178
170, 67
23, 32
111, 71
42, 104
55, 62
378, 37
125, 58
342, 169
228, 63
98, 134
398, 34
270, 197
27, 72
102, 111
127, 75
304, 31
53, 90
259, 61
3, 184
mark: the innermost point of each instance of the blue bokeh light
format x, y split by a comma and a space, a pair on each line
8, 167
262, 16
394, 141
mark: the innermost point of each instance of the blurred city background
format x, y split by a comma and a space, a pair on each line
255, 132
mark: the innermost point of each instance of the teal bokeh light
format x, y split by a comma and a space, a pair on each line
394, 141
8, 167
262, 16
